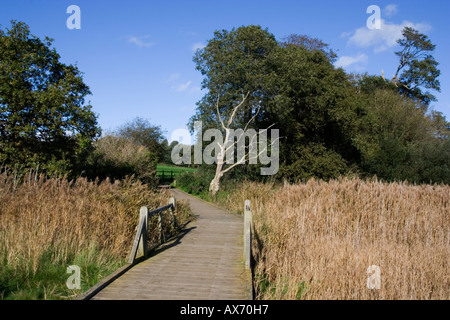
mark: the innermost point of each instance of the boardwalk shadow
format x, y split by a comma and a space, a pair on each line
174, 241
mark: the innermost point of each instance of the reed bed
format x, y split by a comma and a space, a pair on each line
48, 224
317, 240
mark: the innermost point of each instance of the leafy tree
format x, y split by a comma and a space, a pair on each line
233, 64
318, 113
368, 84
417, 70
167, 148
43, 116
310, 44
330, 123
292, 84
409, 144
117, 157
236, 67
144, 133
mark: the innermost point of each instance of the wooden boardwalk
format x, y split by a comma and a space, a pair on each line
205, 263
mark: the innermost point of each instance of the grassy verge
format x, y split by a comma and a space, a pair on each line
168, 174
47, 279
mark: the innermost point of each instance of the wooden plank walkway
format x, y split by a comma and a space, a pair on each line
205, 263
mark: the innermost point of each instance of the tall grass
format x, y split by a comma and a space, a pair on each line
48, 224
317, 240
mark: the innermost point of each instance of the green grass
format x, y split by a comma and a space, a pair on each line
265, 286
167, 173
161, 167
48, 280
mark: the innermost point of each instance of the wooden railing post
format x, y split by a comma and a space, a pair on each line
172, 201
248, 217
160, 228
143, 243
140, 243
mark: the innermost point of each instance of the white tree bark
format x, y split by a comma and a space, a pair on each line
229, 143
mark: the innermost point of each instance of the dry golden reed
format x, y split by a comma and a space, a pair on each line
317, 240
71, 216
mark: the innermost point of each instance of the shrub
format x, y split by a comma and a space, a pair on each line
116, 157
196, 182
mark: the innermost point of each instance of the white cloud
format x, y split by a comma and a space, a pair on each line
195, 90
346, 34
173, 77
182, 87
187, 87
346, 61
384, 38
197, 45
140, 41
390, 10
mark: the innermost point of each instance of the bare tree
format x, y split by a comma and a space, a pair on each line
227, 147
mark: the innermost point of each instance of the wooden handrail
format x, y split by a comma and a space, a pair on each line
140, 243
248, 221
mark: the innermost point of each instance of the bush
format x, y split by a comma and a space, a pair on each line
312, 161
195, 182
116, 157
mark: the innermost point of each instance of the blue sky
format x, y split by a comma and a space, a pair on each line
137, 55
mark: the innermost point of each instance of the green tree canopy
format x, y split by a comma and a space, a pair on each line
233, 64
403, 142
331, 123
317, 112
291, 84
310, 44
417, 70
43, 115
142, 132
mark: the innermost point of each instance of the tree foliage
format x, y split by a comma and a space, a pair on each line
233, 64
417, 70
143, 133
116, 157
408, 144
43, 115
308, 43
330, 123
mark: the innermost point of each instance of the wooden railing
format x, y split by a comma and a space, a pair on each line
140, 244
248, 221
168, 175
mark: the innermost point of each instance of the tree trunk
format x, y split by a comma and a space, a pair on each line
214, 186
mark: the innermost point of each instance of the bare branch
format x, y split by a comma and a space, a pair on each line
239, 138
218, 112
233, 114
242, 160
253, 118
